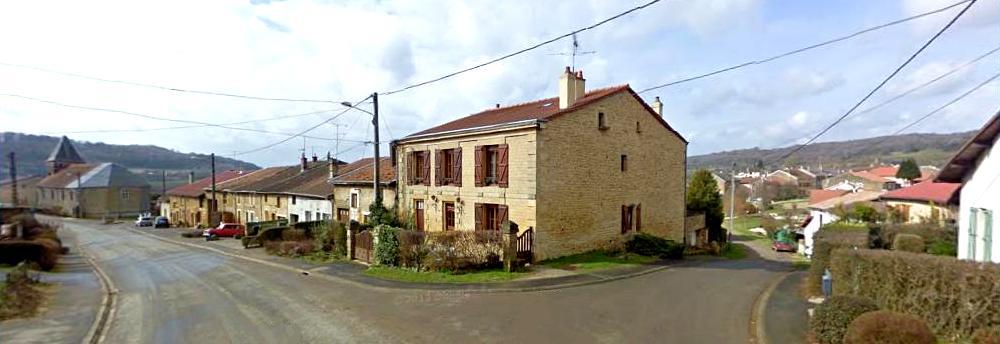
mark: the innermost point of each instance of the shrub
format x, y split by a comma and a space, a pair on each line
908, 243
413, 248
43, 252
930, 232
329, 236
654, 246
888, 327
943, 248
831, 318
19, 297
987, 335
458, 251
955, 297
271, 234
293, 234
386, 245
825, 241
290, 248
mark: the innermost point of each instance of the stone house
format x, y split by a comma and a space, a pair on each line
354, 191
781, 177
583, 169
977, 166
924, 202
26, 194
307, 195
240, 200
76, 188
187, 205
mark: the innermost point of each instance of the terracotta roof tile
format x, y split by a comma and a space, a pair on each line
198, 187
312, 182
940, 193
870, 176
816, 196
361, 171
884, 171
846, 199
259, 179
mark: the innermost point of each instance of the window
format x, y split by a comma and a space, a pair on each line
631, 218
70, 196
602, 122
490, 217
126, 195
201, 201
449, 216
52, 194
638, 129
62, 195
265, 197
309, 215
624, 162
491, 165
343, 215
448, 167
277, 202
293, 199
419, 168
354, 200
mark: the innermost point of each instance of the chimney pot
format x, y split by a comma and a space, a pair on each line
305, 162
658, 106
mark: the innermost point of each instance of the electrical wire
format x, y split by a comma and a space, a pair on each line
300, 133
807, 48
884, 81
167, 88
147, 116
533, 47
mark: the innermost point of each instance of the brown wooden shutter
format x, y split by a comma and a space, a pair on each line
501, 216
410, 171
638, 217
457, 167
480, 216
426, 173
502, 165
624, 221
438, 160
479, 166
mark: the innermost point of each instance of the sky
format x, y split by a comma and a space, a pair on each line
339, 51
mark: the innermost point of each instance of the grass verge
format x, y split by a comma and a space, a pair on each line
597, 260
733, 251
20, 296
410, 275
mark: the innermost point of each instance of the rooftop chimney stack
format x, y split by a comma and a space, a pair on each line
305, 162
332, 165
658, 106
315, 159
571, 87
191, 177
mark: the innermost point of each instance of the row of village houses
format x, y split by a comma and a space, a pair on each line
582, 169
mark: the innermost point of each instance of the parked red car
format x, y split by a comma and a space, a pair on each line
781, 246
224, 230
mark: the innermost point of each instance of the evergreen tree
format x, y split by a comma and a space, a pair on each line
703, 197
908, 170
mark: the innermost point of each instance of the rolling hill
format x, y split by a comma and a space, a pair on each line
147, 160
926, 149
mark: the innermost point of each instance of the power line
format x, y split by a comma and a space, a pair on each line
533, 47
167, 88
302, 132
886, 80
914, 89
136, 114
942, 107
807, 48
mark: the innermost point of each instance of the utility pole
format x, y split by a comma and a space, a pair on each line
214, 204
79, 196
13, 178
163, 185
378, 187
732, 203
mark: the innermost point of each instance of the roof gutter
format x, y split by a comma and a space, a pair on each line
524, 124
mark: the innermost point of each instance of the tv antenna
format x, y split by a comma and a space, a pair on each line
576, 51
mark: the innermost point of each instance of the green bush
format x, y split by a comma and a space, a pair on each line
888, 327
271, 234
831, 318
825, 241
930, 232
386, 245
943, 248
987, 335
955, 297
331, 237
654, 246
413, 248
43, 252
908, 243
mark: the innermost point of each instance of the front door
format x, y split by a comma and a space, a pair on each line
449, 216
418, 206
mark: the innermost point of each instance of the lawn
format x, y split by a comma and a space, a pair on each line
596, 260
733, 251
743, 225
410, 275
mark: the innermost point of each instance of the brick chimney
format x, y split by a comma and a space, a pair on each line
305, 162
571, 87
658, 106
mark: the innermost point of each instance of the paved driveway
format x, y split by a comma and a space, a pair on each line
170, 293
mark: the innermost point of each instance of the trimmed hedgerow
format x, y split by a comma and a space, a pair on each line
888, 327
43, 252
908, 243
831, 318
955, 297
654, 246
825, 241
386, 245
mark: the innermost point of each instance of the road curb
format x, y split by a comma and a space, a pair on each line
480, 290
98, 330
758, 333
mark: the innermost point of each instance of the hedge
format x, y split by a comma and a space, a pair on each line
654, 246
955, 297
44, 252
386, 245
888, 327
832, 317
987, 335
825, 241
907, 242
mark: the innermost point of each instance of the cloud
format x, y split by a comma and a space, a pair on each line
272, 24
928, 72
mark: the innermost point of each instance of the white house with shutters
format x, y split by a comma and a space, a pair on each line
977, 167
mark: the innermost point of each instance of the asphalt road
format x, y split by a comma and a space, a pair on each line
175, 294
